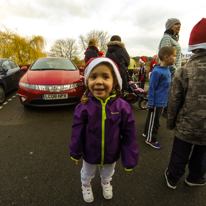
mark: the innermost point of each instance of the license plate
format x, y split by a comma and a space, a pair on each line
54, 96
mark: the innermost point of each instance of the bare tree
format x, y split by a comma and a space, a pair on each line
64, 48
101, 36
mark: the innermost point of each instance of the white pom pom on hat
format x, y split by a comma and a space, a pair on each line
95, 61
198, 36
143, 60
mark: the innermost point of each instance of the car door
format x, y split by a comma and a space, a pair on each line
8, 76
16, 73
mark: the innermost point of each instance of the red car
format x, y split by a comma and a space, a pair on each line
51, 82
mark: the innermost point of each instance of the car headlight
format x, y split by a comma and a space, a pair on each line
52, 88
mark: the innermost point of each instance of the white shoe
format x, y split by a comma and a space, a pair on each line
107, 190
87, 193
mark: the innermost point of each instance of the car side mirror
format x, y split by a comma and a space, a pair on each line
24, 68
5, 70
81, 69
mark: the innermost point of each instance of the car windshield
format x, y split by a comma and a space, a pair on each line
53, 64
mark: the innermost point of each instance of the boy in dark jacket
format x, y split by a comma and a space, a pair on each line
159, 86
186, 114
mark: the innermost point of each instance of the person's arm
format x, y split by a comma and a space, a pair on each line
76, 146
125, 56
143, 73
166, 41
129, 149
176, 99
153, 83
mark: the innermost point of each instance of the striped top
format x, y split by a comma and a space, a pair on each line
169, 40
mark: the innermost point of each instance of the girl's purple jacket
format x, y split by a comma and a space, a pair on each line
102, 132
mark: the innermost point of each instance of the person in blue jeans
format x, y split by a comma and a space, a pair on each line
159, 86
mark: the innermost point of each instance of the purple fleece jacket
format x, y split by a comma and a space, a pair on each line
100, 143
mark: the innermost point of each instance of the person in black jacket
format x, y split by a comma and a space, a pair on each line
117, 52
92, 50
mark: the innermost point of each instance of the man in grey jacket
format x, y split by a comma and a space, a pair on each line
187, 114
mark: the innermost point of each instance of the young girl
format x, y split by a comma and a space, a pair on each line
104, 127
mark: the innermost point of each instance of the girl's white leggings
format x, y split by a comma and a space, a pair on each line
88, 172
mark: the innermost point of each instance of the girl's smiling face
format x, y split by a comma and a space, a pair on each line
100, 81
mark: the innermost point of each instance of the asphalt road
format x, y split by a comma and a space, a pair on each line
36, 170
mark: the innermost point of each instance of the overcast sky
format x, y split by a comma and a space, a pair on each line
140, 24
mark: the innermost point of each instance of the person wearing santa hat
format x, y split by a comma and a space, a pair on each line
103, 128
153, 63
142, 72
186, 114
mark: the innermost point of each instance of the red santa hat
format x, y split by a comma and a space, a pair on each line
93, 62
143, 60
198, 36
155, 56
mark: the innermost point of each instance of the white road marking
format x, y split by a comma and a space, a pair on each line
1, 107
9, 100
5, 103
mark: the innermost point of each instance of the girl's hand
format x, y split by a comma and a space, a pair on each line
76, 162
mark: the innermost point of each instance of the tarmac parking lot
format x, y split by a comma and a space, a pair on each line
36, 169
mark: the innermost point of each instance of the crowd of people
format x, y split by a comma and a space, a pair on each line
104, 125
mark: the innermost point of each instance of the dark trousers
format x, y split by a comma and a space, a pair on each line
142, 84
131, 72
204, 164
152, 124
124, 76
184, 153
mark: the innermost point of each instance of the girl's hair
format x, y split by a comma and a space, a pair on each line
115, 90
92, 42
167, 50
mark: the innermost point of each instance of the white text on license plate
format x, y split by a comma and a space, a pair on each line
54, 96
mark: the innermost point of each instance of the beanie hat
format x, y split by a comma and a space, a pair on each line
115, 38
198, 36
95, 61
171, 22
143, 60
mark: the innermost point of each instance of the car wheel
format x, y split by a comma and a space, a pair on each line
2, 95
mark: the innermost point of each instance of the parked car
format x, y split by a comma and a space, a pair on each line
10, 73
51, 81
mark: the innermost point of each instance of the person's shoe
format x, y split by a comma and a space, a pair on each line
144, 135
198, 182
164, 115
169, 183
107, 190
156, 145
87, 193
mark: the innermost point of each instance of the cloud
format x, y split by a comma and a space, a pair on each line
141, 24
